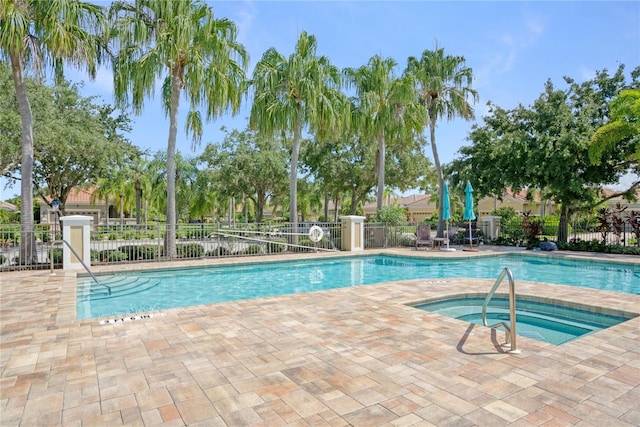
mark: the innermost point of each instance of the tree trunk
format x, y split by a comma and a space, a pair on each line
121, 211
138, 202
380, 165
260, 202
354, 202
563, 225
293, 179
28, 250
170, 236
436, 162
326, 206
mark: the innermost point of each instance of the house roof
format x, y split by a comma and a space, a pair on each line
608, 192
8, 206
82, 196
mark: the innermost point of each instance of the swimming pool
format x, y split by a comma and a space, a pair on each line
162, 289
549, 322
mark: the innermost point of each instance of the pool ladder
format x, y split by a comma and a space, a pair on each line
510, 330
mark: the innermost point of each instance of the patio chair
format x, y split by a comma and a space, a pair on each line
423, 236
453, 235
474, 239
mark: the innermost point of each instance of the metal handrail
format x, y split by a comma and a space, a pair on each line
85, 266
510, 330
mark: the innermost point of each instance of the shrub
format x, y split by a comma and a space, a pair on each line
392, 215
276, 247
57, 255
44, 236
112, 255
139, 252
219, 251
250, 250
189, 250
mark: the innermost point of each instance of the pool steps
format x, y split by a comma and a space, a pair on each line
121, 287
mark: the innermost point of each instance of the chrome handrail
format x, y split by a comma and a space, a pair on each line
85, 266
510, 330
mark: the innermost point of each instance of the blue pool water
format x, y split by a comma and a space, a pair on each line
550, 323
161, 289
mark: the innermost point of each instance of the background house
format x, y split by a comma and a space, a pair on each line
518, 201
631, 206
421, 206
79, 203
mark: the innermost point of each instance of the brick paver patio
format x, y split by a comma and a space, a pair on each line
355, 356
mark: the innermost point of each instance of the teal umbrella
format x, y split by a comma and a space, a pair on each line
446, 212
446, 204
469, 215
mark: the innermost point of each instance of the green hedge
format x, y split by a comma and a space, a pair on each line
140, 252
189, 250
596, 246
219, 251
250, 250
276, 247
112, 255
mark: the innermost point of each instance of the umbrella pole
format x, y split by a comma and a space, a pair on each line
470, 236
447, 236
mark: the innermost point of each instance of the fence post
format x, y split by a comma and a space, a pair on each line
76, 232
352, 233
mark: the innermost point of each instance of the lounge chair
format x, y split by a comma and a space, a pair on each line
423, 236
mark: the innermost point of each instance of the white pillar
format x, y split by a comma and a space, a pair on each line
352, 233
76, 232
491, 227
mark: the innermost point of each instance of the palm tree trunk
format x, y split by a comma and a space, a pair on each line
380, 167
121, 212
138, 202
28, 252
436, 162
293, 179
170, 236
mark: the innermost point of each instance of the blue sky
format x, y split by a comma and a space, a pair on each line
513, 48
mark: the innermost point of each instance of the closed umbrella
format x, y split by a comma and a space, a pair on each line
446, 212
469, 215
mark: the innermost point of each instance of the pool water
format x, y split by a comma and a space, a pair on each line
162, 289
551, 323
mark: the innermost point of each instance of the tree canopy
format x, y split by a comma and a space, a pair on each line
248, 164
546, 146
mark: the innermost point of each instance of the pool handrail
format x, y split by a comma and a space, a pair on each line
510, 330
85, 266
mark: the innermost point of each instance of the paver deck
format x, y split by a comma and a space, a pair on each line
356, 356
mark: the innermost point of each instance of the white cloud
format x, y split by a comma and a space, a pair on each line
625, 182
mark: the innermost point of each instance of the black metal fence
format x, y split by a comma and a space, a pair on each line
137, 243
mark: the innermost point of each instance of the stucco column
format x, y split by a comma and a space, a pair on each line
76, 232
352, 233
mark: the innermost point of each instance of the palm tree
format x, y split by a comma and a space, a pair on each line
623, 127
443, 85
36, 34
196, 55
289, 94
384, 105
